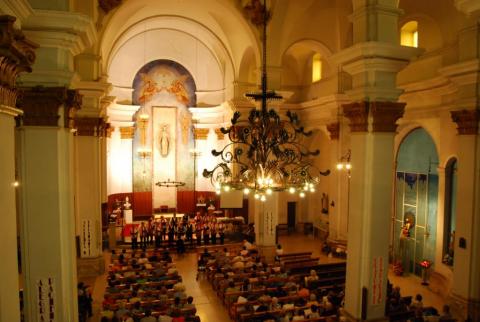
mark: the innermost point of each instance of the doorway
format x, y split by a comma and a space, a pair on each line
291, 215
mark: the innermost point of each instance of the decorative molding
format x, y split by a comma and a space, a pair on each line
219, 134
90, 126
70, 30
334, 130
127, 132
385, 115
357, 113
17, 55
201, 134
467, 121
41, 106
109, 5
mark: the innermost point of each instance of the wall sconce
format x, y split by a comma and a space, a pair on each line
344, 163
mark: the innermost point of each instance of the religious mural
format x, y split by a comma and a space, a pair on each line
164, 89
162, 78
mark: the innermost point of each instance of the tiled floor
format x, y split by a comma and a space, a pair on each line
210, 309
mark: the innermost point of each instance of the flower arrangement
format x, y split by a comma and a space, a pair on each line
426, 263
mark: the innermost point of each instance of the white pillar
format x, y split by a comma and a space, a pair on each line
466, 267
16, 56
47, 205
88, 194
266, 219
9, 296
373, 128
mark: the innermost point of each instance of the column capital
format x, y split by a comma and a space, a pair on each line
357, 113
127, 132
41, 106
334, 130
467, 121
382, 115
17, 55
90, 126
201, 133
385, 115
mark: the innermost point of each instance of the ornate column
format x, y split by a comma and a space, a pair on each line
88, 156
16, 56
466, 269
47, 203
373, 128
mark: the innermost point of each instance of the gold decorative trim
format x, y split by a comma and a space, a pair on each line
127, 132
467, 121
4, 109
334, 130
219, 134
201, 134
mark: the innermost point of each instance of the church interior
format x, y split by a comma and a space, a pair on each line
218, 149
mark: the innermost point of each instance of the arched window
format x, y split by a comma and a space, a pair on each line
450, 211
409, 34
316, 68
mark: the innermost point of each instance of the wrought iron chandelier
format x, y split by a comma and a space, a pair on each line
265, 153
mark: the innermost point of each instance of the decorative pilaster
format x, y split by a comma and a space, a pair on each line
334, 130
16, 56
467, 121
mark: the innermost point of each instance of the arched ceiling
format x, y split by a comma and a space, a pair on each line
219, 25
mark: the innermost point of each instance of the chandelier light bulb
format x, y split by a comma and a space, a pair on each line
246, 191
260, 181
302, 194
339, 166
217, 192
257, 196
348, 166
15, 184
226, 188
263, 198
291, 190
269, 191
312, 190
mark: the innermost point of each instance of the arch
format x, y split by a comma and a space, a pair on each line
413, 144
218, 29
297, 61
166, 76
248, 66
416, 200
429, 34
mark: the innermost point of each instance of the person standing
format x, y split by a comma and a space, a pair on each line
134, 234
